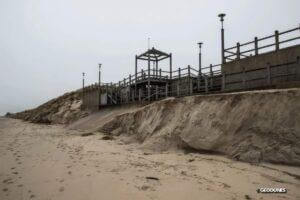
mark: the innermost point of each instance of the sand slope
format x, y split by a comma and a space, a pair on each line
249, 126
61, 110
52, 162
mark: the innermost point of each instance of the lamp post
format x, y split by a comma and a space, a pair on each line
222, 15
200, 55
99, 87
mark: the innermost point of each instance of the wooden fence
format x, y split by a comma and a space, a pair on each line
251, 48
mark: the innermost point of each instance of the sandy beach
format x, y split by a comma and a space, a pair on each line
53, 162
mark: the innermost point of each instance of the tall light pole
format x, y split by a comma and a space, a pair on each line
99, 87
200, 55
222, 15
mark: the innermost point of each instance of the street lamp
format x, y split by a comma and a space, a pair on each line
222, 15
200, 62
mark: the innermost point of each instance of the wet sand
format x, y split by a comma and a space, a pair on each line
52, 162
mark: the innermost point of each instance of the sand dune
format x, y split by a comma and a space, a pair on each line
250, 126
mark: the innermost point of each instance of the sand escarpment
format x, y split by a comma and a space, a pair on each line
61, 110
249, 126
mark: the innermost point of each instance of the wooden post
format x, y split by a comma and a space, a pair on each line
189, 80
83, 90
167, 87
142, 75
111, 93
159, 73
206, 83
130, 98
156, 73
223, 81
211, 75
268, 74
178, 82
256, 45
135, 87
276, 40
140, 95
149, 91
156, 90
170, 65
244, 78
120, 92
238, 51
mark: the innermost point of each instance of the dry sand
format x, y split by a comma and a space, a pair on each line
52, 162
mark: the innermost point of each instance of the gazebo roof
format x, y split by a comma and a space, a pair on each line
154, 55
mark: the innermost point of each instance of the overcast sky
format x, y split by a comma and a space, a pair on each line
46, 45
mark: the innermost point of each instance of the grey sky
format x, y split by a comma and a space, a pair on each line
46, 45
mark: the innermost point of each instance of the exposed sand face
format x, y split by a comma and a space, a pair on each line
51, 162
253, 126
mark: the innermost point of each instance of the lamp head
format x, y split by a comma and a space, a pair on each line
222, 15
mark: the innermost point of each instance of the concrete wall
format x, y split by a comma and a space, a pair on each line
286, 55
256, 70
90, 99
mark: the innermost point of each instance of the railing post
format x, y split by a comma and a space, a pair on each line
111, 93
167, 87
298, 68
170, 56
156, 90
190, 81
256, 45
268, 74
130, 96
238, 51
120, 94
276, 40
244, 78
178, 82
140, 95
160, 73
211, 75
206, 84
223, 81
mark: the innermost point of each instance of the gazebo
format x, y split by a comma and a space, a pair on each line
152, 55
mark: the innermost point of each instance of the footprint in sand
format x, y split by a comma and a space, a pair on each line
32, 196
6, 180
62, 188
4, 189
69, 172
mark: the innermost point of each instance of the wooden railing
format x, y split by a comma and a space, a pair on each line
251, 48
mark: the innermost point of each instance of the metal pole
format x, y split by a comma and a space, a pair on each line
222, 15
200, 61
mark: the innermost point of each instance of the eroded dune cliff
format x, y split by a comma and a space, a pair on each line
61, 110
249, 126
